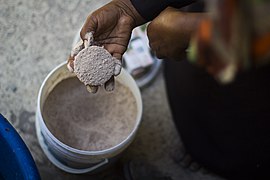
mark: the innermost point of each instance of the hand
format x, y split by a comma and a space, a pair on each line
170, 32
112, 25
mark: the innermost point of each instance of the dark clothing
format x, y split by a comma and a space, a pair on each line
226, 128
149, 9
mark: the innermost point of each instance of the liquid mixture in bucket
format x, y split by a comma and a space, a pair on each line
87, 121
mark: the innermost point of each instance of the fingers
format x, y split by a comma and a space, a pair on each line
164, 46
89, 39
70, 64
115, 50
118, 63
117, 69
90, 26
118, 57
92, 89
109, 85
78, 47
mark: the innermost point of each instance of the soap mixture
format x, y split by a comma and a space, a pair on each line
94, 65
88, 121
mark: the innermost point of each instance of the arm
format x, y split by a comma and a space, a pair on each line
112, 25
149, 9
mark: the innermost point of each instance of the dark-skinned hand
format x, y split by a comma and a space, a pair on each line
111, 25
170, 32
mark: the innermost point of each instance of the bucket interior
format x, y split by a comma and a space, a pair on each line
60, 74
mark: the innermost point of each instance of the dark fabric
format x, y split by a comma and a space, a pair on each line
149, 9
226, 128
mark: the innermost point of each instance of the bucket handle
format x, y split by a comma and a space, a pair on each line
82, 171
105, 161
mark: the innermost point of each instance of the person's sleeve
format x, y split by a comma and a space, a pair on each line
149, 9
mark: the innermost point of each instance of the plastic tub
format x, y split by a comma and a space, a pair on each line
16, 161
70, 159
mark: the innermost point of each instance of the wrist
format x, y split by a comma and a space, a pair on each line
129, 9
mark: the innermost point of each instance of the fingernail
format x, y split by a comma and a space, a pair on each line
117, 69
69, 68
92, 89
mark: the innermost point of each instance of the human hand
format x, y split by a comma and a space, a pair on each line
111, 25
170, 32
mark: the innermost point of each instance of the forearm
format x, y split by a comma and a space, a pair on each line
149, 9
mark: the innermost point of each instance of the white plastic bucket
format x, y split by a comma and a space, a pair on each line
65, 157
